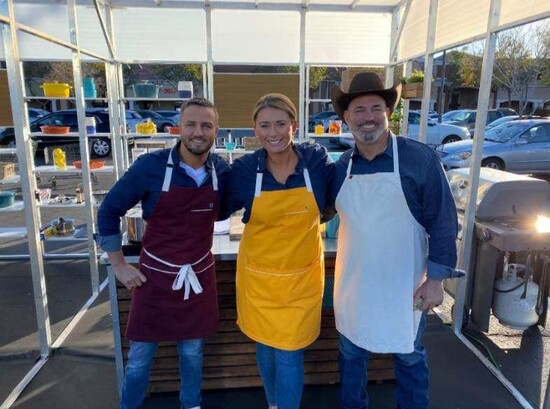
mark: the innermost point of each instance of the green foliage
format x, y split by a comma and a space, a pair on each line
416, 77
175, 73
316, 75
397, 114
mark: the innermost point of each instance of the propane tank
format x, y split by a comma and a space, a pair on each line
515, 298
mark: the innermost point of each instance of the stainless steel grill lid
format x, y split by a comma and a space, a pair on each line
501, 195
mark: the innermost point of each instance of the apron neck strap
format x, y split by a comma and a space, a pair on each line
395, 154
395, 157
308, 180
260, 177
214, 177
168, 172
170, 169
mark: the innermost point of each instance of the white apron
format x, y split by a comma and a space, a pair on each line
381, 259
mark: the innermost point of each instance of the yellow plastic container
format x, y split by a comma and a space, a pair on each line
55, 89
147, 127
319, 129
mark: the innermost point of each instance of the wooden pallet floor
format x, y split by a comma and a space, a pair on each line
229, 356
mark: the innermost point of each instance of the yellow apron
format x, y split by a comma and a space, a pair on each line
280, 268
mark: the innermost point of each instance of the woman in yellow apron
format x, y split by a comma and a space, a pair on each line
280, 266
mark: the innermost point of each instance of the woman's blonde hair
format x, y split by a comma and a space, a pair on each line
278, 101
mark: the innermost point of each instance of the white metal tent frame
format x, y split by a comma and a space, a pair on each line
410, 28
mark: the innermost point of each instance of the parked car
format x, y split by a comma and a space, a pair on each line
167, 113
436, 133
521, 146
509, 118
160, 121
35, 113
448, 116
433, 115
467, 117
507, 111
321, 117
99, 146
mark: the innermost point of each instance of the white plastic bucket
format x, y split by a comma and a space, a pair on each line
90, 124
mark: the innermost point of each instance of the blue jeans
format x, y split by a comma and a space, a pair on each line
138, 368
411, 372
282, 374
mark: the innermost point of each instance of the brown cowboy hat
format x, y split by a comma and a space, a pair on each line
364, 83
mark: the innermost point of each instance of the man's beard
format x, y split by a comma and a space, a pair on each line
197, 151
370, 137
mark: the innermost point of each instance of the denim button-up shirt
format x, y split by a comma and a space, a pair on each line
143, 182
242, 179
427, 193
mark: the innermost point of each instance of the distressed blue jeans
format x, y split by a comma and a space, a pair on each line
282, 374
411, 372
138, 369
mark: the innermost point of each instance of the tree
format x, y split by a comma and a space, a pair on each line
523, 56
38, 72
316, 74
173, 73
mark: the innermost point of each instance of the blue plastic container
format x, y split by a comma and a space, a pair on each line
88, 84
145, 90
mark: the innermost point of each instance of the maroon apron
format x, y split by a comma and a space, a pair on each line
179, 300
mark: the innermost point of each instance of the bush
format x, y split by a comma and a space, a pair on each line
416, 76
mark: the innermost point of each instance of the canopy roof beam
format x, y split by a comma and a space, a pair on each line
37, 33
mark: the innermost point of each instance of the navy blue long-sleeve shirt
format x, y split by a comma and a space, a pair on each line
427, 193
143, 182
242, 179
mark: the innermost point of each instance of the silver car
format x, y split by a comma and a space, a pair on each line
436, 133
518, 146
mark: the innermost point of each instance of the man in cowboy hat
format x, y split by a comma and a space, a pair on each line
396, 243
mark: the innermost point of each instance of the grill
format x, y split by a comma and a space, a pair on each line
506, 212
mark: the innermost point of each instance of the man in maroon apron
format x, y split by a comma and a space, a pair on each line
174, 290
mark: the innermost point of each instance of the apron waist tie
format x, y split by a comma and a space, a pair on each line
186, 276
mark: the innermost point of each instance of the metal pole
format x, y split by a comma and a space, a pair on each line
440, 94
209, 57
428, 68
302, 126
118, 142
113, 299
50, 38
84, 148
117, 139
28, 181
204, 81
106, 32
395, 40
396, 29
407, 70
465, 247
306, 102
121, 107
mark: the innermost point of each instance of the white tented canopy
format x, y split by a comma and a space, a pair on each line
301, 33
335, 32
